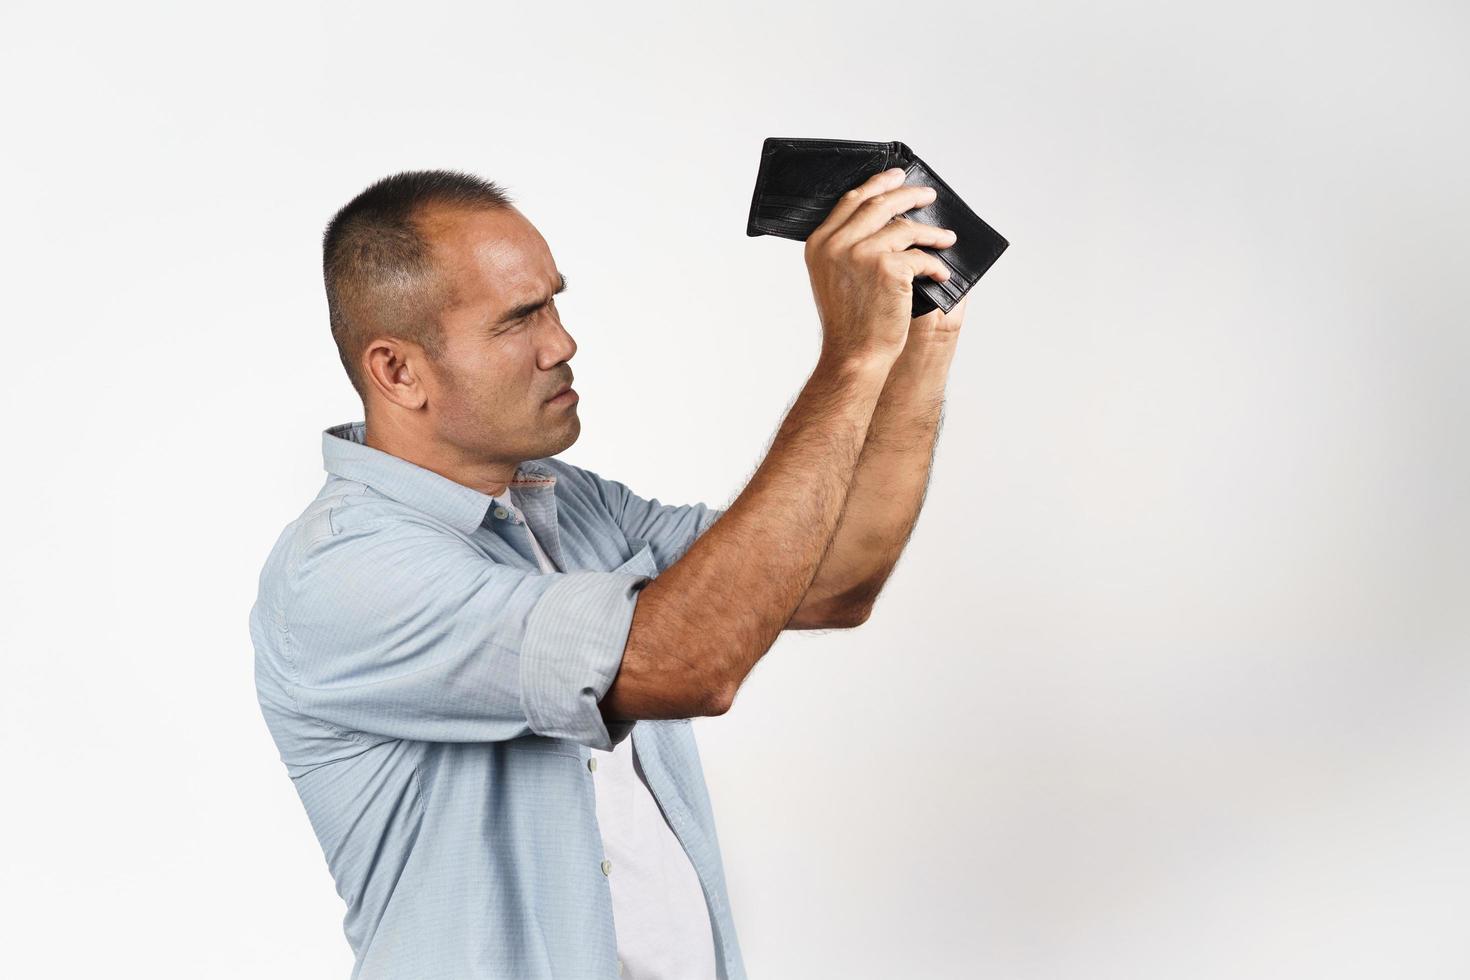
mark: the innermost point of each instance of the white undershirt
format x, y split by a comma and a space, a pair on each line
659, 911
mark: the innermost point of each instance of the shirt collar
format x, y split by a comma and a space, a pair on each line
345, 454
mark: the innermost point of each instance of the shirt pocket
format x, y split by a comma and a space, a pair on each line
642, 562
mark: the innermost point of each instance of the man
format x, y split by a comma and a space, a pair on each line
479, 662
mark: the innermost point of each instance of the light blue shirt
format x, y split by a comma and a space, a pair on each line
434, 694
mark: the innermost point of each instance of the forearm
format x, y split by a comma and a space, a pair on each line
889, 483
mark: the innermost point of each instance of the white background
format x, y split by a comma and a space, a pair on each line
1172, 680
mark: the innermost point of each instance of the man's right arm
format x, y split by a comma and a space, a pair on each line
699, 628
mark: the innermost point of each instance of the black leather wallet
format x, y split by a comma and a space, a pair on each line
800, 180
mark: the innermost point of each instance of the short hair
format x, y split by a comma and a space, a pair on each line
377, 264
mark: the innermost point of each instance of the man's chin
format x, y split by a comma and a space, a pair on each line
568, 434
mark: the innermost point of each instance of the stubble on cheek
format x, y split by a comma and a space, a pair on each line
456, 408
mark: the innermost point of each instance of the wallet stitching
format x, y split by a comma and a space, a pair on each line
782, 199
769, 208
813, 141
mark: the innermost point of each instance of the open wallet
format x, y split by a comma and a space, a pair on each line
800, 180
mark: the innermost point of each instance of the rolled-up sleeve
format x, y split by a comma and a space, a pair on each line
401, 630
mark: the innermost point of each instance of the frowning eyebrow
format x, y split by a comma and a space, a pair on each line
531, 306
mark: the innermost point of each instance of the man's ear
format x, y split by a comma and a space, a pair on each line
391, 367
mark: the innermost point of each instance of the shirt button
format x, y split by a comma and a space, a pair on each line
592, 763
500, 512
620, 967
606, 866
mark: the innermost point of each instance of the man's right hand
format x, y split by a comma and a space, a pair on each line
862, 268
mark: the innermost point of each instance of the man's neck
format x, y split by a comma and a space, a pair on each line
491, 478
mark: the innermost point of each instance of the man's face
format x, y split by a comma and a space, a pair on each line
502, 359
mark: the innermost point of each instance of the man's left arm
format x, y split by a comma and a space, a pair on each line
891, 479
